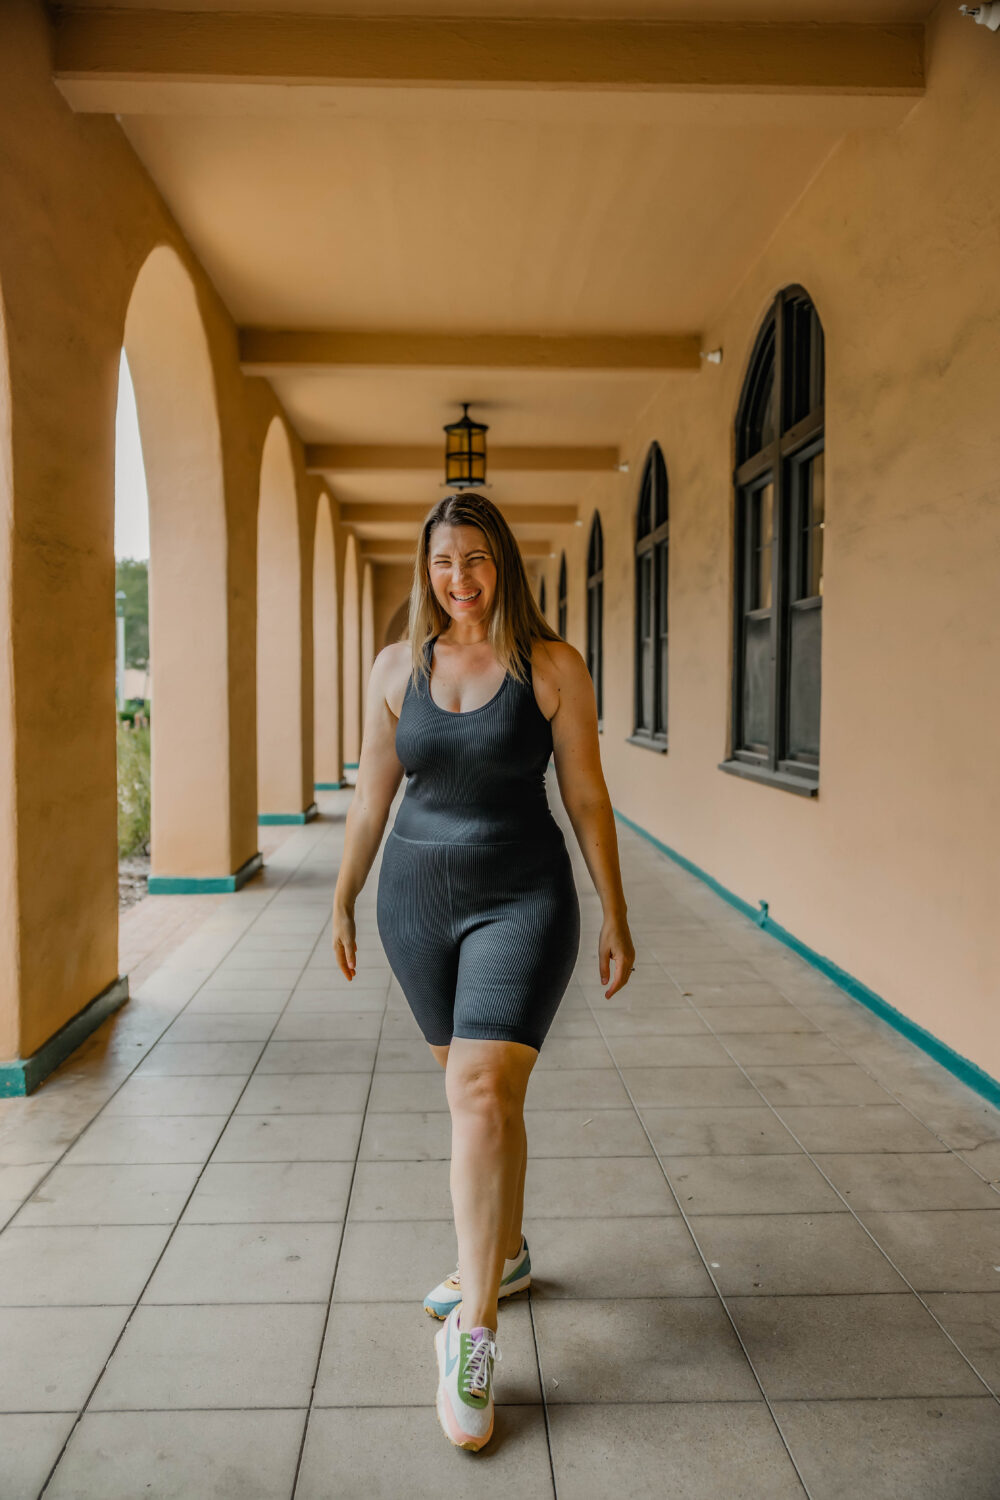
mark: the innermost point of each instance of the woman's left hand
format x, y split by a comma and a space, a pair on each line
615, 944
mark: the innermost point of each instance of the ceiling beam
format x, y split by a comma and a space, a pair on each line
384, 550
266, 352
105, 58
405, 513
356, 458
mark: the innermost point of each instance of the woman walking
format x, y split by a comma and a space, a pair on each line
476, 906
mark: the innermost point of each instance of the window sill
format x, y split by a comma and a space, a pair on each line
783, 780
646, 742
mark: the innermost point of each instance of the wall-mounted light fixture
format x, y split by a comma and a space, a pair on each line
984, 15
465, 452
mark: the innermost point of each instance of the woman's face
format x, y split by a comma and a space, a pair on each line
463, 573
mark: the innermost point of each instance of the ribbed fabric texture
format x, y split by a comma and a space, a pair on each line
477, 907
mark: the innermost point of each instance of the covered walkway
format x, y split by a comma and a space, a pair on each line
763, 1226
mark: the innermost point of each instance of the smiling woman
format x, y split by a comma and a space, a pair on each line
477, 906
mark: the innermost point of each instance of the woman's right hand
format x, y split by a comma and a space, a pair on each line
344, 941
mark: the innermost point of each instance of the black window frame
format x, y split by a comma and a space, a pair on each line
595, 613
562, 603
541, 595
776, 440
651, 600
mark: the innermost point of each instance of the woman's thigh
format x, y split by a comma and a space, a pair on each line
519, 943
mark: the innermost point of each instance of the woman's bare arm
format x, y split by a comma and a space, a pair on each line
577, 754
379, 775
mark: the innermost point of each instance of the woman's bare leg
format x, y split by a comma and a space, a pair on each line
486, 1083
513, 1240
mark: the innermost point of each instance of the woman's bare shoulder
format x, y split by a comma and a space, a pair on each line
555, 666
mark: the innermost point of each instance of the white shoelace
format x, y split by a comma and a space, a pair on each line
477, 1370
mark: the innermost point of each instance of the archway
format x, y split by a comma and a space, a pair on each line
326, 654
284, 779
169, 361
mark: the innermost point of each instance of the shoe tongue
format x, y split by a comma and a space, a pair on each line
478, 1333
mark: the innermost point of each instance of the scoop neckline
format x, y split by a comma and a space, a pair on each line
458, 713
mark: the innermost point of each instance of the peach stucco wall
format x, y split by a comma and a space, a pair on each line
893, 872
80, 220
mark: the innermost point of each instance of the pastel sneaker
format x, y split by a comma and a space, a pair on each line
448, 1293
465, 1382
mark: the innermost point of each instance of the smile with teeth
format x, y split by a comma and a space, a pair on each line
466, 598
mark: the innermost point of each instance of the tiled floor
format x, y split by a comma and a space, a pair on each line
765, 1231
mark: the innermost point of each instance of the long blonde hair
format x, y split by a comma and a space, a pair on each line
515, 619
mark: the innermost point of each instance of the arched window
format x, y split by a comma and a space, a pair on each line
595, 613
562, 597
778, 572
652, 542
541, 596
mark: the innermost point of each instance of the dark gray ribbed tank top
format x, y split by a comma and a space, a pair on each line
479, 776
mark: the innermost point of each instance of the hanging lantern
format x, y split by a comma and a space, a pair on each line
465, 452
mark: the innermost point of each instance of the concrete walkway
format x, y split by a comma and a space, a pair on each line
765, 1239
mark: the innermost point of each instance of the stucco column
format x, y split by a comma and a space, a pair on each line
284, 761
326, 652
351, 675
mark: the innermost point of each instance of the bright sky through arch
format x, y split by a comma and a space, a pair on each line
131, 496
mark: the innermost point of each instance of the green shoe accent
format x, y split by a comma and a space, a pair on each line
466, 1343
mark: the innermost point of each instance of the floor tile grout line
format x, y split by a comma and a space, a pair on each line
546, 1301
746, 1401
311, 1406
81, 1412
718, 1293
882, 1251
544, 1402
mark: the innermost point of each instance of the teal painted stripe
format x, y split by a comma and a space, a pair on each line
272, 819
327, 786
24, 1074
205, 885
350, 765
962, 1068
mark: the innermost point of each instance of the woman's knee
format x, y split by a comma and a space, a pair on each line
487, 1089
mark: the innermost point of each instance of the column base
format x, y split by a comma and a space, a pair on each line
24, 1074
205, 885
269, 819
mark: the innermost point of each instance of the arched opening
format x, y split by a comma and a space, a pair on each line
284, 781
652, 557
595, 612
352, 659
367, 631
175, 399
326, 654
133, 665
778, 526
563, 604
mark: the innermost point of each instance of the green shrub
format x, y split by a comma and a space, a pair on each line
133, 791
